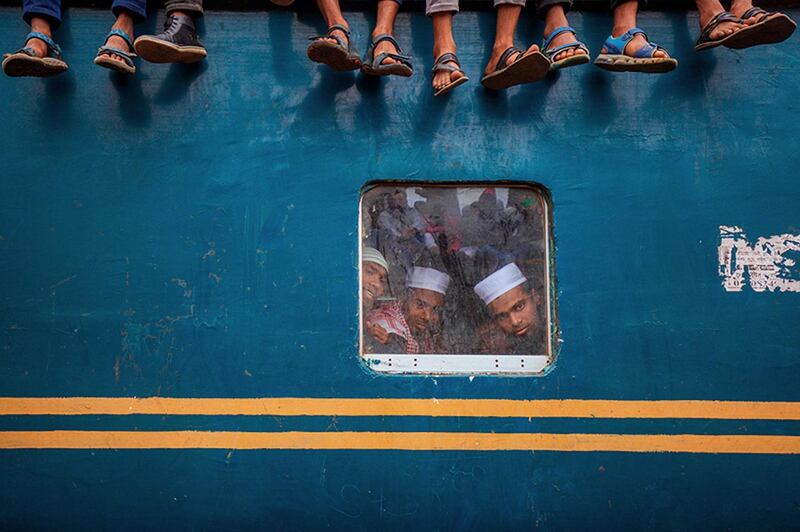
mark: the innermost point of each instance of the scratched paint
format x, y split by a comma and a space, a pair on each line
769, 264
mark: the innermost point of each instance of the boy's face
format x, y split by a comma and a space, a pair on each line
373, 283
422, 310
515, 311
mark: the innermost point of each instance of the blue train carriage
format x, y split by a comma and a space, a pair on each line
187, 341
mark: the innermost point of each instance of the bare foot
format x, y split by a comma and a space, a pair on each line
38, 46
339, 33
115, 41
497, 51
739, 7
722, 30
564, 38
442, 78
385, 47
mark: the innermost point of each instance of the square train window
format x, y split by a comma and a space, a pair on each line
456, 279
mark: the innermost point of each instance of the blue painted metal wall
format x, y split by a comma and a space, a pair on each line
191, 232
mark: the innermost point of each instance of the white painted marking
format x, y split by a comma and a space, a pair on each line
458, 364
772, 263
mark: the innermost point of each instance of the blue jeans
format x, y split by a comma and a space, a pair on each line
51, 9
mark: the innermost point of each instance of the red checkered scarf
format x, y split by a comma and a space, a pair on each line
393, 315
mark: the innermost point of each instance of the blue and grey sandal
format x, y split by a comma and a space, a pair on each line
374, 65
573, 60
105, 52
25, 62
340, 56
613, 57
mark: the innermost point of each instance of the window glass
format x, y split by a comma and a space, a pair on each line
456, 279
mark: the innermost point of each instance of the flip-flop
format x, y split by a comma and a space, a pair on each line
25, 62
105, 52
373, 65
612, 57
771, 28
340, 56
705, 42
528, 67
573, 60
445, 63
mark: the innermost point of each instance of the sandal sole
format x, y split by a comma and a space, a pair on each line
775, 29
111, 64
157, 51
23, 65
450, 86
387, 70
333, 56
528, 69
575, 60
615, 63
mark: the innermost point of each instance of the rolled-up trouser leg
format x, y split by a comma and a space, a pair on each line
440, 6
544, 5
520, 3
48, 9
136, 7
192, 7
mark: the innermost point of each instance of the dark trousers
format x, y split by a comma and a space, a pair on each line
51, 9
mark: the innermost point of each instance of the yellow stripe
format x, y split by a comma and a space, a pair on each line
293, 406
406, 441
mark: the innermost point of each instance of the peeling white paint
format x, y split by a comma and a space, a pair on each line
772, 263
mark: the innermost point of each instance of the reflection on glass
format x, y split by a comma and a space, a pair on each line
454, 270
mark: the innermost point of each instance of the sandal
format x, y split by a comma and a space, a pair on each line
612, 57
105, 52
770, 28
340, 56
374, 66
705, 42
526, 68
573, 60
444, 63
25, 62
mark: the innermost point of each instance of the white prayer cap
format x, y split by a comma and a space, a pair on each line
428, 279
500, 282
373, 255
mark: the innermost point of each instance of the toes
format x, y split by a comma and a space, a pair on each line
660, 54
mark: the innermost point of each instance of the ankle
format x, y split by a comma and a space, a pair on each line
380, 30
442, 47
621, 27
501, 46
555, 18
340, 21
41, 25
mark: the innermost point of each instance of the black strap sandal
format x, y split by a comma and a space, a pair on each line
340, 56
448, 62
528, 67
705, 42
770, 27
374, 66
